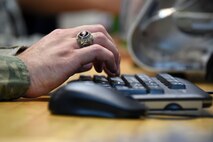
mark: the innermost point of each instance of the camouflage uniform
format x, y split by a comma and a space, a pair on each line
14, 76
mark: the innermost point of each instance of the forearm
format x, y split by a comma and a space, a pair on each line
57, 6
14, 78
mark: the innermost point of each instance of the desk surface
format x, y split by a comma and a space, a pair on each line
29, 120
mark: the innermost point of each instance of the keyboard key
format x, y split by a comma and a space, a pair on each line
170, 81
116, 81
143, 77
136, 86
85, 78
131, 91
122, 88
130, 79
150, 84
155, 89
100, 79
107, 85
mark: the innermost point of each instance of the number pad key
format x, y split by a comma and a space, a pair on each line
150, 84
170, 81
130, 79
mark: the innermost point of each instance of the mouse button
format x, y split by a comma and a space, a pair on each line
79, 84
97, 94
86, 96
90, 90
84, 87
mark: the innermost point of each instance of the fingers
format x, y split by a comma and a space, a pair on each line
101, 39
98, 53
85, 68
98, 65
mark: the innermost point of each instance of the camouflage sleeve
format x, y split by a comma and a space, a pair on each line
13, 50
14, 76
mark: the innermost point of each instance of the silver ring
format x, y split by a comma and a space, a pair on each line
84, 39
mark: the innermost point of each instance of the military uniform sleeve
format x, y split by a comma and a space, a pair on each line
14, 76
11, 51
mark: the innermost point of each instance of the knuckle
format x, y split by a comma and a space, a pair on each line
101, 50
111, 55
100, 36
57, 31
101, 27
97, 48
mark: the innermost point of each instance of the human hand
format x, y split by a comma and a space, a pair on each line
57, 56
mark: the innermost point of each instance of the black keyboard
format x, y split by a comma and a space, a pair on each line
162, 93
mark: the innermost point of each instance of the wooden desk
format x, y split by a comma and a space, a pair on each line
27, 120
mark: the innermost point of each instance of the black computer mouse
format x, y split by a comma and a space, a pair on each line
89, 99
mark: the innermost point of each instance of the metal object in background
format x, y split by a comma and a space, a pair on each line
173, 36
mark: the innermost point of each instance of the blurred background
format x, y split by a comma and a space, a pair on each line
161, 36
25, 21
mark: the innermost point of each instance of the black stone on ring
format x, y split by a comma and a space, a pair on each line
84, 39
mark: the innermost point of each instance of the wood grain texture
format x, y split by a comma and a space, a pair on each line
27, 120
